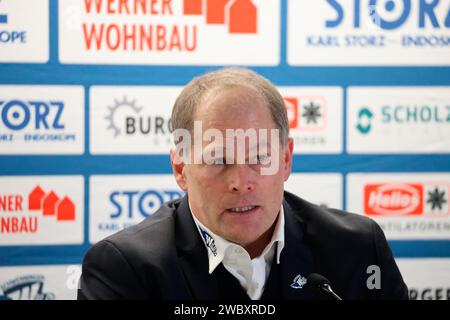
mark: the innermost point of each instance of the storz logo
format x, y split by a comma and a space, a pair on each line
146, 202
392, 14
10, 36
406, 15
18, 114
130, 207
24, 31
28, 287
120, 201
33, 121
369, 32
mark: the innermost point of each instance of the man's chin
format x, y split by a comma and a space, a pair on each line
243, 239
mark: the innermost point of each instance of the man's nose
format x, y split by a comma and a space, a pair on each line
240, 179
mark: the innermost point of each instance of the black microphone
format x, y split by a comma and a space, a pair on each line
321, 284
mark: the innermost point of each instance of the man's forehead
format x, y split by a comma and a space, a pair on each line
230, 100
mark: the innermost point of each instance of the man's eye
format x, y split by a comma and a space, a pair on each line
218, 161
263, 159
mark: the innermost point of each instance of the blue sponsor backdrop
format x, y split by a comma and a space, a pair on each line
54, 73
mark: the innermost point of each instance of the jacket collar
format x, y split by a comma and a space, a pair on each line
218, 247
296, 257
193, 256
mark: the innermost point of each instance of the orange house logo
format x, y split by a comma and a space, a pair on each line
240, 16
161, 26
48, 204
51, 204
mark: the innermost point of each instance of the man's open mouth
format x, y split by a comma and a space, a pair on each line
245, 209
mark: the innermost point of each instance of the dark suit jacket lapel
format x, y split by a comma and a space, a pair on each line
193, 256
296, 257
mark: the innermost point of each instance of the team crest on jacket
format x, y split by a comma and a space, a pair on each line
298, 282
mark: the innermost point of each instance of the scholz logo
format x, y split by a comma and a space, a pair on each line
364, 124
29, 287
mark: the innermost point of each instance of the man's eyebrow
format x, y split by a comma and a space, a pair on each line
209, 145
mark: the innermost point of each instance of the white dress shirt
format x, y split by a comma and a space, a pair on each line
252, 274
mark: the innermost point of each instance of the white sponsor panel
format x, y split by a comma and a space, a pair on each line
41, 119
134, 120
170, 32
405, 205
24, 31
324, 189
315, 118
398, 120
46, 282
368, 32
426, 278
40, 210
120, 201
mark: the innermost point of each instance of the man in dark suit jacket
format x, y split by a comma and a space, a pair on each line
237, 234
165, 258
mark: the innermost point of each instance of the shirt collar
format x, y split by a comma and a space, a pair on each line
218, 247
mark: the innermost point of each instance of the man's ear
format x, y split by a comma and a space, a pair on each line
178, 167
287, 159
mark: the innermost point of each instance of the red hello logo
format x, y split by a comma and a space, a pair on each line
242, 14
393, 199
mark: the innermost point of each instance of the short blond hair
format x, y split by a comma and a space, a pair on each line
197, 89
